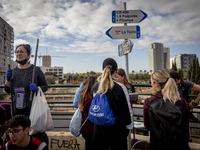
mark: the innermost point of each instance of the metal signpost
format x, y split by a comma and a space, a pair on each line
125, 32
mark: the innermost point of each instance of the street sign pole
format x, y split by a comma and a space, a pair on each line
126, 55
127, 74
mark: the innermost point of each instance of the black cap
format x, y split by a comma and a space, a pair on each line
111, 62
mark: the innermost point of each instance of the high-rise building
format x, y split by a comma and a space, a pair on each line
159, 57
183, 61
172, 60
166, 58
46, 61
6, 49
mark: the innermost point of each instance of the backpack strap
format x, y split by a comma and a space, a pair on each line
148, 102
183, 104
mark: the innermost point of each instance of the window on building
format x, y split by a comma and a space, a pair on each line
60, 72
55, 69
60, 69
50, 69
46, 69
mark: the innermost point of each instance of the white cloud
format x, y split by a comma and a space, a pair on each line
173, 22
20, 41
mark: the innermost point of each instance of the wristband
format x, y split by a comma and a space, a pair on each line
194, 104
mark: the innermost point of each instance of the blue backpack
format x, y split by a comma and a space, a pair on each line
100, 112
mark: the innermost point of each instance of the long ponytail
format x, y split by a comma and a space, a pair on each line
105, 80
87, 90
167, 85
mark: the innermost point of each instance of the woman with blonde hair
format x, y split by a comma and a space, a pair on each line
113, 137
166, 91
84, 105
122, 78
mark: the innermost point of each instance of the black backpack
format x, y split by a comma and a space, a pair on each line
167, 121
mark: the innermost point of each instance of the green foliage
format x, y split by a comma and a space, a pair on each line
197, 76
51, 73
92, 73
193, 71
144, 76
180, 71
174, 67
50, 81
193, 75
80, 78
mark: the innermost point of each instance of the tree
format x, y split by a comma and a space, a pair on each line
150, 71
189, 72
197, 76
193, 71
50, 81
140, 71
51, 73
92, 73
174, 67
133, 71
180, 71
145, 71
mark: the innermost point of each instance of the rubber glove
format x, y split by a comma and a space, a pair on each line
8, 75
33, 87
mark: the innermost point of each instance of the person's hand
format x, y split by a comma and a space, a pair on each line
138, 101
8, 75
33, 87
191, 106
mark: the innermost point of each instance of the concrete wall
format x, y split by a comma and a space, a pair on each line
65, 140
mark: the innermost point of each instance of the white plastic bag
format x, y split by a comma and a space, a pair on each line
40, 114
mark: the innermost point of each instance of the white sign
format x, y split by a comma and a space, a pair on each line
128, 16
125, 47
124, 32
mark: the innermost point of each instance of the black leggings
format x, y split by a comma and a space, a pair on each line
110, 137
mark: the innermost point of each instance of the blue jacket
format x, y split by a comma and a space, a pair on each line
77, 96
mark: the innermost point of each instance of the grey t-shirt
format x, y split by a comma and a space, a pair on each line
185, 88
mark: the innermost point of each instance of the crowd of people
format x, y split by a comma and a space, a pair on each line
171, 90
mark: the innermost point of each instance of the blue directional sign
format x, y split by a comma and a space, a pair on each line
128, 16
124, 32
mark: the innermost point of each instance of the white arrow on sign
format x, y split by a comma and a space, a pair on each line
124, 32
125, 47
128, 16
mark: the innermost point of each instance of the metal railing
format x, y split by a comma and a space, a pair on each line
68, 115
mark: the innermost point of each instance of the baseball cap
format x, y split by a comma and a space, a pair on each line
111, 62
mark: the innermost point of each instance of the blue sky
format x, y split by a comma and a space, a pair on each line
76, 29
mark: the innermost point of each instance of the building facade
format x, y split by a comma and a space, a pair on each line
6, 49
46, 61
57, 70
159, 57
172, 60
166, 58
183, 61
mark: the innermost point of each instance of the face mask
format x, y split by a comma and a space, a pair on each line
22, 62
